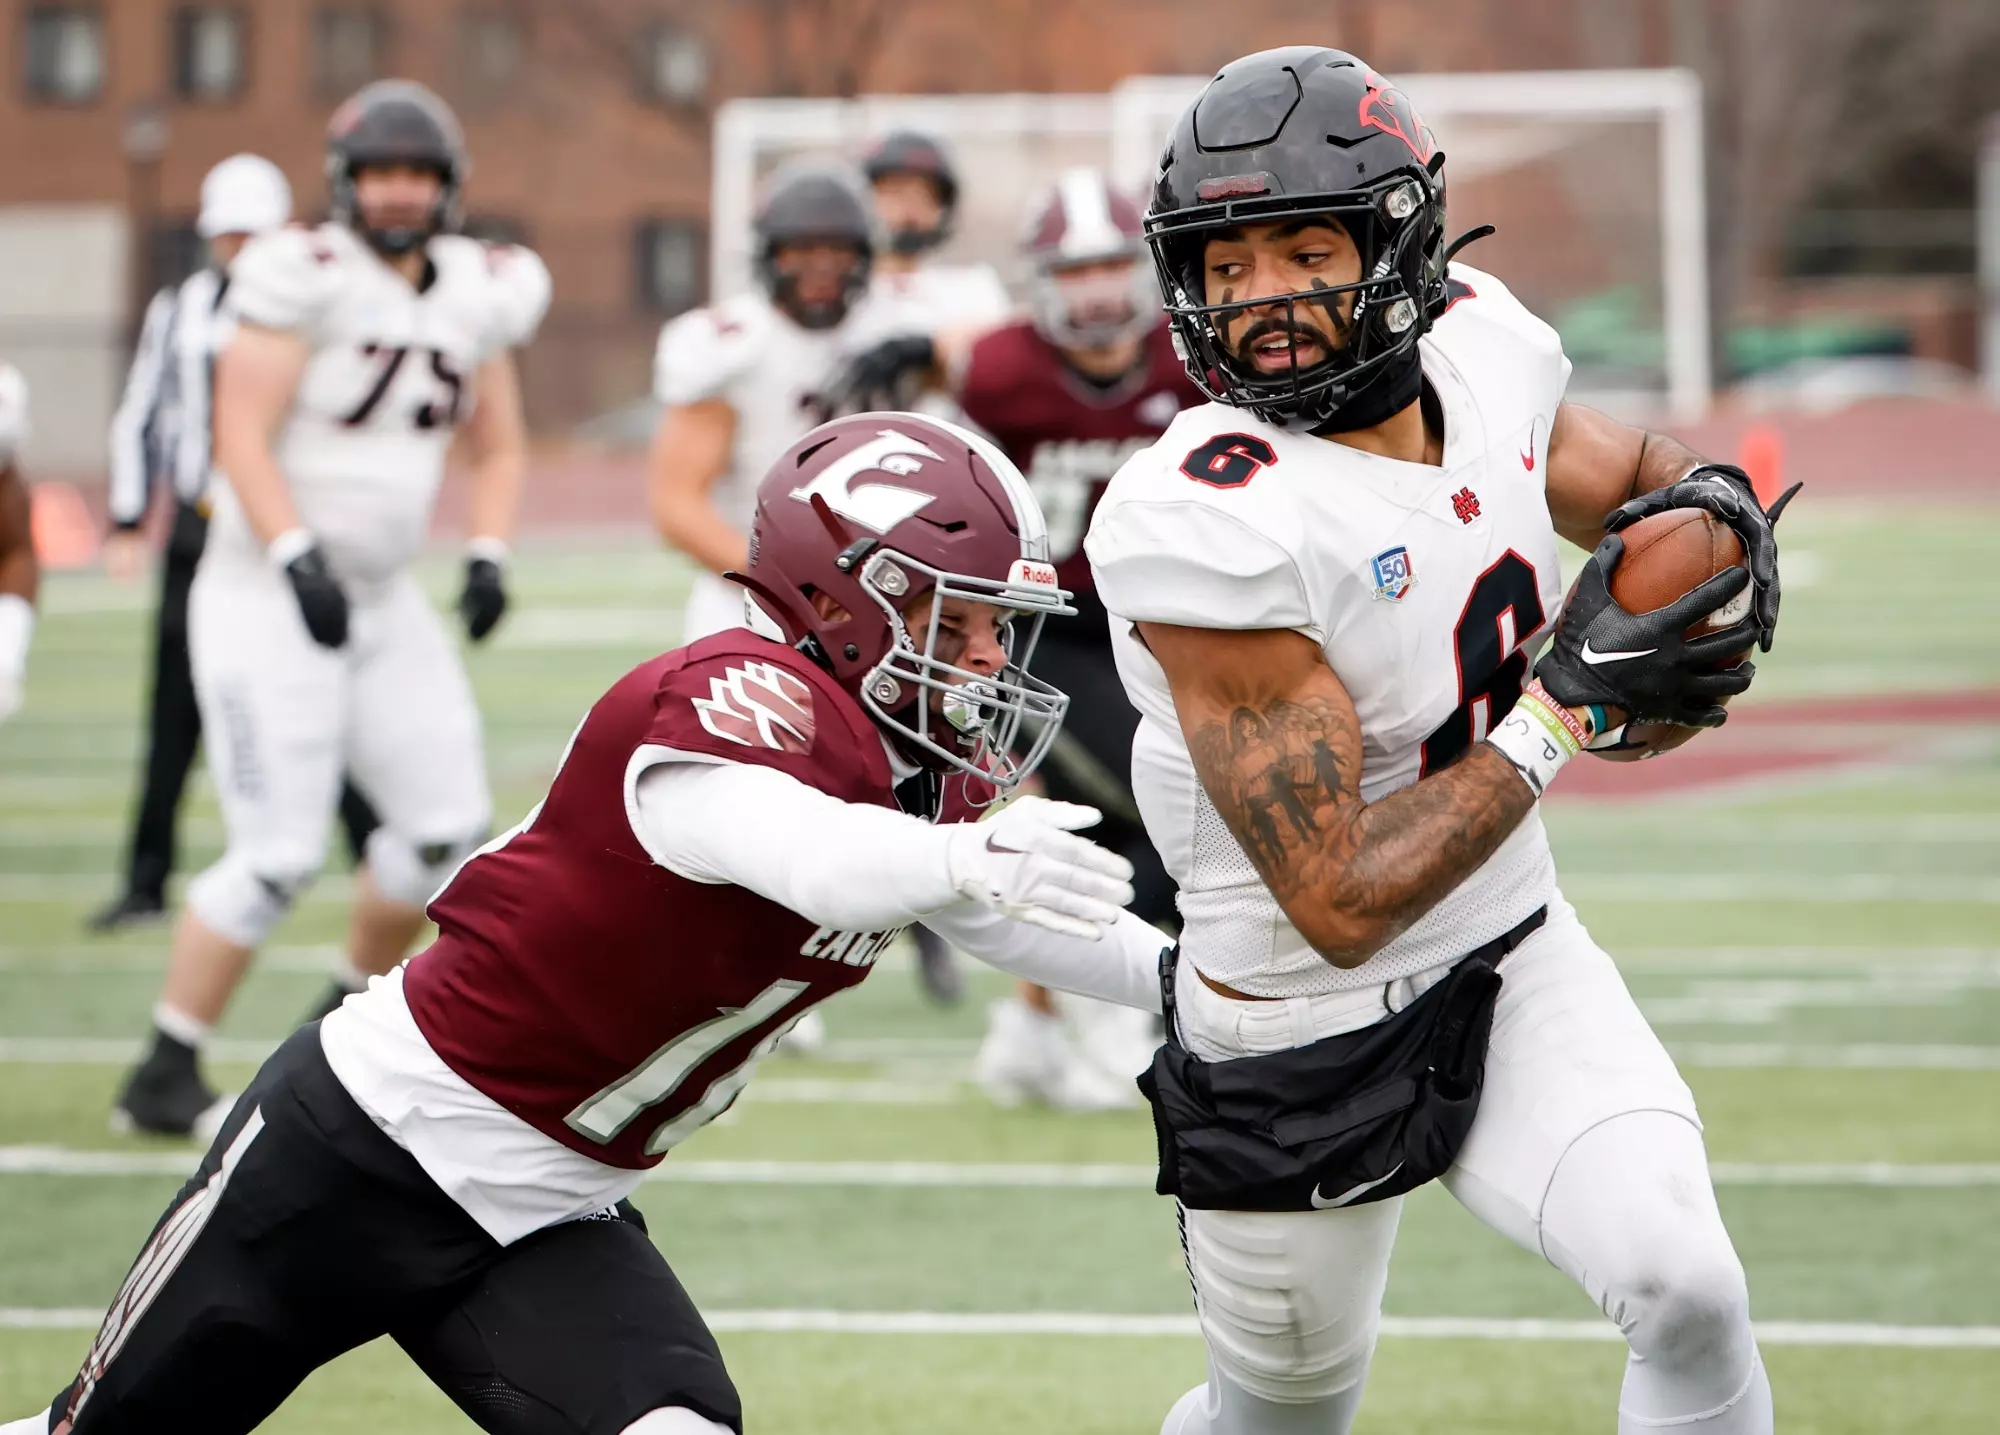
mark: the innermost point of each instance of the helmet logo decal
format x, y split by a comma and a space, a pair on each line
880, 506
759, 705
1389, 110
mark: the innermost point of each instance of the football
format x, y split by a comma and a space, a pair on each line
1666, 556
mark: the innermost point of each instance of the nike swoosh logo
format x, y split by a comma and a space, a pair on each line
1594, 657
993, 846
1528, 458
1326, 1203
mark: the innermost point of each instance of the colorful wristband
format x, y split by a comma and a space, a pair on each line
1538, 736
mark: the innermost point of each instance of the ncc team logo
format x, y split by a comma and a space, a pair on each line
759, 705
1393, 574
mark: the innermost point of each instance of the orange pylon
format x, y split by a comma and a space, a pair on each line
1763, 458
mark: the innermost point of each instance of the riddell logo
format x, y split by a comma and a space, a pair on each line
759, 705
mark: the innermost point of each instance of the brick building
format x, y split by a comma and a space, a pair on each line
589, 120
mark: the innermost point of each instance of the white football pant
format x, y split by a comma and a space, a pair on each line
283, 718
1586, 1151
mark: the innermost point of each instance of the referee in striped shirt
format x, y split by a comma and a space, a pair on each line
160, 437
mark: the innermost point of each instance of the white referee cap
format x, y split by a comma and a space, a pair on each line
245, 194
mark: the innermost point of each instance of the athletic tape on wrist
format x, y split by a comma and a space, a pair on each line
493, 550
1538, 737
17, 630
289, 545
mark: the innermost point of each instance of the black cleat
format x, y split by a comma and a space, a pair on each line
165, 1095
131, 910
938, 968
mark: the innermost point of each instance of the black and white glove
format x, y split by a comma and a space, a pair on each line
1725, 491
482, 602
1025, 862
1643, 662
322, 601
879, 378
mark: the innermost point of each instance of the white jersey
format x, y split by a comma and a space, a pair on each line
1427, 588
750, 354
389, 379
931, 299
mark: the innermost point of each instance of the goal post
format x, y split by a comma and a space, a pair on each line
1594, 179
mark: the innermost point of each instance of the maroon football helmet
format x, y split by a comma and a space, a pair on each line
875, 511
1081, 222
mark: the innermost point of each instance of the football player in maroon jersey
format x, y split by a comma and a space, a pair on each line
736, 830
1070, 393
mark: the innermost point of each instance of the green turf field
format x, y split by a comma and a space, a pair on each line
1823, 952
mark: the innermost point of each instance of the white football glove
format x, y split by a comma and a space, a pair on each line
1025, 863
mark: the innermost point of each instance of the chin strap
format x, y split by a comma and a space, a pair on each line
1388, 393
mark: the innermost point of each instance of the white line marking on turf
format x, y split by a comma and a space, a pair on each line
1841, 888
1010, 1175
1863, 1056
92, 886
1079, 1323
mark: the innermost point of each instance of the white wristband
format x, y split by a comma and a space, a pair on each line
1538, 738
289, 545
17, 628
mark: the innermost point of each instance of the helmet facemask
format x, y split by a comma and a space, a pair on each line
996, 726
1394, 227
1074, 310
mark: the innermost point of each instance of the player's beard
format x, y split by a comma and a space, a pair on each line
1341, 337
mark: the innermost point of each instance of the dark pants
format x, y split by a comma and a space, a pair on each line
174, 726
1092, 760
307, 1232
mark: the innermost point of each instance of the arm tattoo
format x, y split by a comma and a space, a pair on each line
1285, 774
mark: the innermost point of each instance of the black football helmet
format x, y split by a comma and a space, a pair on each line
1305, 130
806, 206
908, 152
396, 122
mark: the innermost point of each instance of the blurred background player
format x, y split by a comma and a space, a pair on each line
738, 378
18, 573
921, 316
362, 346
160, 437
1069, 394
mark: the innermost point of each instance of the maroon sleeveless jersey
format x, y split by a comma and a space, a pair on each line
604, 1000
1068, 435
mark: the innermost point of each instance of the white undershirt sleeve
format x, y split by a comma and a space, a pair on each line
1124, 967
841, 864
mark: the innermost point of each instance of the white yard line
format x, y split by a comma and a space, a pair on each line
1010, 1175
96, 886
1079, 1323
948, 1087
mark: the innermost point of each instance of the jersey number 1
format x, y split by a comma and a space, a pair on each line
1504, 609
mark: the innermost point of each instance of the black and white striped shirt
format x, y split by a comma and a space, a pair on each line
161, 428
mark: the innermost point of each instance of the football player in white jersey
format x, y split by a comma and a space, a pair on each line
18, 574
1325, 587
362, 347
738, 379
915, 329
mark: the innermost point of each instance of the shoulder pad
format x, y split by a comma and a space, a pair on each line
703, 352
735, 697
508, 283
288, 278
1484, 324
1184, 534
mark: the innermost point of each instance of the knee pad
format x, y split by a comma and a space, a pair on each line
238, 901
411, 872
676, 1420
1687, 1309
1290, 1304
